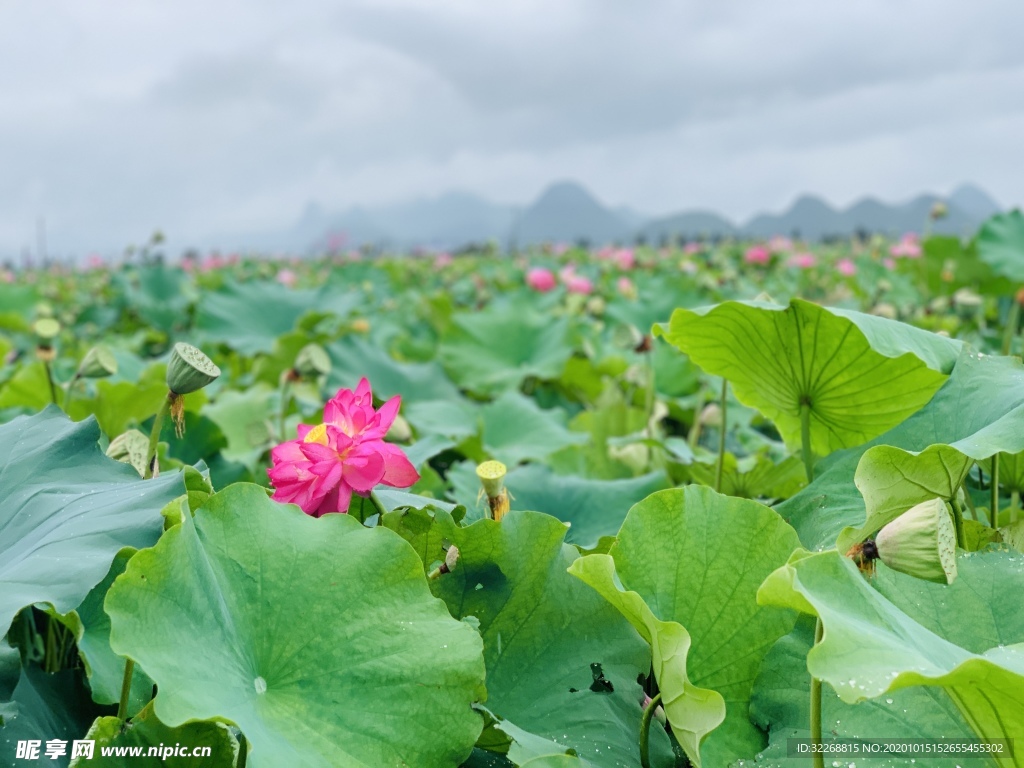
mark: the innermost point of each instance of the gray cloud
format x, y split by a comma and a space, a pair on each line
204, 118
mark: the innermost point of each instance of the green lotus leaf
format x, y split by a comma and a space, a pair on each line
494, 350
245, 419
146, 731
27, 389
543, 633
66, 510
45, 706
515, 429
859, 374
781, 705
455, 417
353, 358
753, 477
593, 508
697, 558
1000, 244
248, 317
978, 411
902, 632
385, 677
16, 303
91, 627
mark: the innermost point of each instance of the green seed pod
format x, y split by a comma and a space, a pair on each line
921, 542
189, 370
492, 477
132, 447
312, 361
45, 328
98, 363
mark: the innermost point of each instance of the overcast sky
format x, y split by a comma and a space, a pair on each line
202, 117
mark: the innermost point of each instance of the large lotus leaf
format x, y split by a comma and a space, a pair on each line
543, 631
146, 731
905, 632
697, 559
320, 638
91, 627
1001, 244
494, 350
781, 705
593, 508
455, 417
692, 711
66, 510
46, 707
10, 674
160, 296
515, 429
29, 388
352, 358
979, 408
859, 374
248, 317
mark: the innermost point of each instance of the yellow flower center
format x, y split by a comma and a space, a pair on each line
317, 434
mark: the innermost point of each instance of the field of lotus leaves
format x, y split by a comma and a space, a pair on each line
628, 507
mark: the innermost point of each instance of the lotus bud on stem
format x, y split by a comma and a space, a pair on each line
921, 543
451, 558
492, 478
99, 363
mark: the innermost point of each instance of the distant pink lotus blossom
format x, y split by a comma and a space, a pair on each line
540, 279
803, 260
757, 254
567, 272
624, 258
346, 454
579, 284
689, 267
605, 253
286, 278
94, 261
889, 263
212, 262
846, 267
6, 276
692, 248
442, 260
908, 247
626, 287
559, 248
779, 244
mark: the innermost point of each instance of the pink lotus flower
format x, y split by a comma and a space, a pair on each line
890, 264
846, 267
626, 288
803, 260
779, 244
908, 247
757, 254
692, 248
346, 454
625, 258
442, 260
579, 284
286, 278
541, 279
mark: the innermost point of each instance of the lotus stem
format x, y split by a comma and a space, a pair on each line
645, 730
1012, 321
49, 379
154, 433
126, 689
958, 522
720, 469
286, 382
67, 391
805, 439
994, 511
819, 757
1014, 505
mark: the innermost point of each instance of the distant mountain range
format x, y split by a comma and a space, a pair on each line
567, 212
